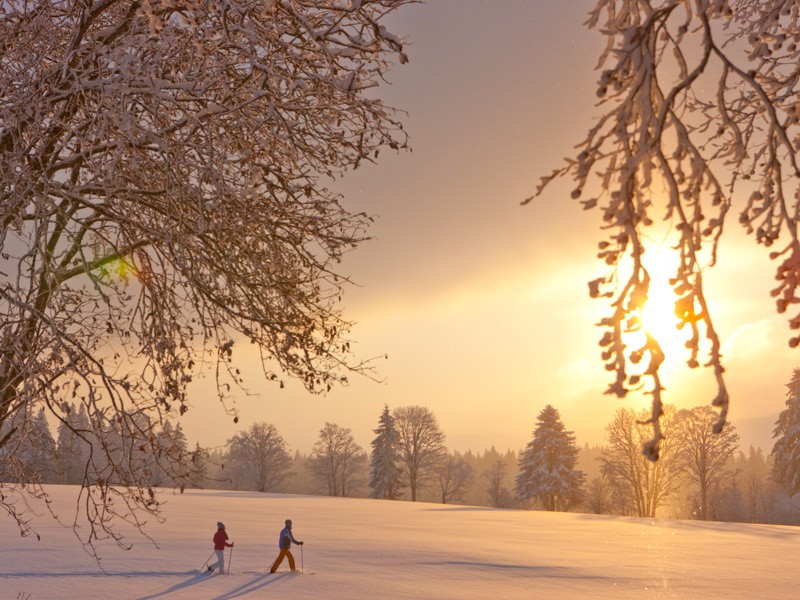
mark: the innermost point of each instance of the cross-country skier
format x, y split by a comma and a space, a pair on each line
285, 543
220, 541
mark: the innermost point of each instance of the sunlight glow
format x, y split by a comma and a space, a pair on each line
658, 317
118, 269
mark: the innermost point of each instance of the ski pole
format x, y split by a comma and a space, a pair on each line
208, 559
230, 559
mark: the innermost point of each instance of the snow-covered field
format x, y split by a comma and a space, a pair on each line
366, 549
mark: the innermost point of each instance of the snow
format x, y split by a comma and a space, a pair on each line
364, 549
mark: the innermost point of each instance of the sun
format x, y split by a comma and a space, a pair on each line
658, 315
658, 318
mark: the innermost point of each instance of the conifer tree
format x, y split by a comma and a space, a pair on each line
547, 466
167, 465
29, 450
199, 474
42, 449
385, 476
786, 451
72, 447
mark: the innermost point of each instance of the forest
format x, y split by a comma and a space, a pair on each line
699, 475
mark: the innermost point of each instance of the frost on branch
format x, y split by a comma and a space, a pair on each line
700, 115
162, 200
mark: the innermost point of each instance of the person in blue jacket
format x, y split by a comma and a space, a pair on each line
285, 544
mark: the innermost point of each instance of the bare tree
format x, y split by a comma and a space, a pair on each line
337, 462
422, 448
598, 496
640, 486
455, 477
258, 459
701, 108
498, 494
162, 197
703, 455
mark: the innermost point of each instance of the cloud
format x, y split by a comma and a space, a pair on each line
750, 340
579, 369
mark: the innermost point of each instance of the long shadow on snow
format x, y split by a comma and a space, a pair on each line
189, 582
256, 584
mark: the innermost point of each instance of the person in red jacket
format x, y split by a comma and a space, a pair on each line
220, 541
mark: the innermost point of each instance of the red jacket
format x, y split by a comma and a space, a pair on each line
221, 540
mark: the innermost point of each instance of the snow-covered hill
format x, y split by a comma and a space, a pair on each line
358, 549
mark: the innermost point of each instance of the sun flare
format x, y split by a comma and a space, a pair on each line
658, 318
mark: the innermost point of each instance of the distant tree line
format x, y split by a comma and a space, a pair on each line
135, 452
700, 474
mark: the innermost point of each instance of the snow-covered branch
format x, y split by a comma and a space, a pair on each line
162, 197
700, 112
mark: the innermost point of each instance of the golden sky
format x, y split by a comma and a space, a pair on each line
481, 304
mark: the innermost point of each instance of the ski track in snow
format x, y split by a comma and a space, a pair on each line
360, 549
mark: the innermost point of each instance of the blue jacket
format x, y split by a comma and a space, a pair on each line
286, 539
